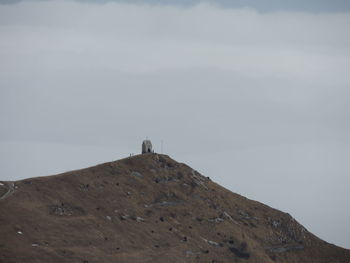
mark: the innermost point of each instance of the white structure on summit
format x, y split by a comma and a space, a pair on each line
147, 146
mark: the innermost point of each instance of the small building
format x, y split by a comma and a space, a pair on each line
147, 146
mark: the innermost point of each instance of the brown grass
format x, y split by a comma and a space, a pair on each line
148, 208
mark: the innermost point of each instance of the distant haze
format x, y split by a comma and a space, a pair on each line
257, 99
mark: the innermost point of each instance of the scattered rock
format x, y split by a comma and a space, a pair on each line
288, 230
165, 179
199, 179
139, 219
243, 214
213, 243
216, 220
137, 174
226, 215
166, 203
124, 217
285, 248
274, 223
84, 187
66, 210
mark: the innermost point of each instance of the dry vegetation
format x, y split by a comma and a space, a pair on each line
148, 208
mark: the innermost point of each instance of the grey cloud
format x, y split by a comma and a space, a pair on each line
258, 102
313, 6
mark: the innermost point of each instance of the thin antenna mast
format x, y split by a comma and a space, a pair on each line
161, 149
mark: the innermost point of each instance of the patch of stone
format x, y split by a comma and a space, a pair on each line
166, 203
245, 215
137, 174
139, 219
227, 216
286, 231
65, 210
165, 163
221, 218
199, 179
216, 220
213, 243
124, 217
11, 189
284, 249
84, 187
163, 180
274, 223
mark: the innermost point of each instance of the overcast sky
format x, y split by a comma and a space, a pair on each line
256, 96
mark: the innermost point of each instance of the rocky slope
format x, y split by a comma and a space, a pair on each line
147, 208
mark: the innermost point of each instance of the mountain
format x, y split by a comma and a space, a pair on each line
147, 208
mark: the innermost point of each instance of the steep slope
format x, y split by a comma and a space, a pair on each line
147, 208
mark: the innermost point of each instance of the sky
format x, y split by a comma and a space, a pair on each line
255, 96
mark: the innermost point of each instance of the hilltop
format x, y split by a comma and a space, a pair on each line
147, 208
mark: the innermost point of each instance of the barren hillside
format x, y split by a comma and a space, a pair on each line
147, 208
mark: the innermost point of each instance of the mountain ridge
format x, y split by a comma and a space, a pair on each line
147, 208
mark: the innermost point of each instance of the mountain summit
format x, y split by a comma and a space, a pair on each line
147, 208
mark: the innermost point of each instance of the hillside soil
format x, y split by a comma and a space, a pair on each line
147, 208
